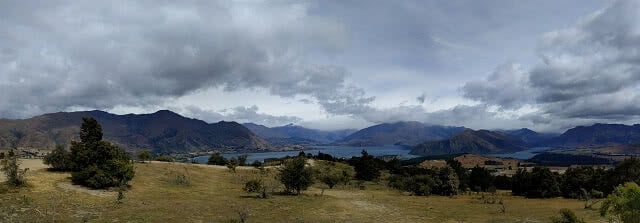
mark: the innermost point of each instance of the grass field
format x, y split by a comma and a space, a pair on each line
215, 195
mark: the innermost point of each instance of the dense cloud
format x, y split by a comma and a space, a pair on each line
58, 54
590, 71
339, 56
240, 114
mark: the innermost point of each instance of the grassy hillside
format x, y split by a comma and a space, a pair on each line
215, 195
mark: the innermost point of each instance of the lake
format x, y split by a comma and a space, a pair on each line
523, 155
335, 151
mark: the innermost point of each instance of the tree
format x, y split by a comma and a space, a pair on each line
333, 173
144, 155
1, 155
366, 167
96, 163
217, 159
11, 167
480, 179
419, 185
59, 159
463, 176
242, 160
295, 175
566, 216
256, 186
623, 204
232, 164
544, 184
449, 181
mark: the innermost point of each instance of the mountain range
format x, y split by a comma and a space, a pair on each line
162, 131
399, 133
596, 135
166, 131
297, 135
472, 141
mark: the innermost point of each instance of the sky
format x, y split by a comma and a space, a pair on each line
547, 65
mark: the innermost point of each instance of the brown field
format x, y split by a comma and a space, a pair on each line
216, 195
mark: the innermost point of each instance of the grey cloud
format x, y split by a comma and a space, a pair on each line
421, 98
240, 114
63, 54
590, 71
507, 86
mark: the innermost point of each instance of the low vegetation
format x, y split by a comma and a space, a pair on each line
94, 163
10, 165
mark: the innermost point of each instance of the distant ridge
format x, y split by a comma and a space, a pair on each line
532, 138
297, 135
402, 133
162, 131
474, 142
597, 135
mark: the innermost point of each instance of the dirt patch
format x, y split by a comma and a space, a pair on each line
67, 186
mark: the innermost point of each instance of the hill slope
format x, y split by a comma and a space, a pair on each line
292, 134
406, 133
470, 141
163, 131
597, 135
532, 138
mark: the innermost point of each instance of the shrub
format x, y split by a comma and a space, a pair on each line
232, 164
59, 159
96, 163
333, 173
256, 186
420, 185
295, 175
14, 175
165, 158
144, 155
366, 167
242, 160
623, 204
182, 179
566, 216
217, 159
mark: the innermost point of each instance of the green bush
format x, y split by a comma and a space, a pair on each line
256, 186
59, 159
11, 168
165, 158
333, 173
96, 163
144, 155
295, 175
566, 216
217, 159
624, 204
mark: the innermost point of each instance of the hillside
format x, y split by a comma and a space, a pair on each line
216, 195
163, 131
597, 135
295, 135
532, 138
405, 133
470, 141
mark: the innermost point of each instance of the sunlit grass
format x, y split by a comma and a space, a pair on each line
215, 195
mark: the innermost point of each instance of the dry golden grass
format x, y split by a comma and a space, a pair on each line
215, 195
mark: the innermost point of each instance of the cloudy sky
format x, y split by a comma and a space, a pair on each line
328, 64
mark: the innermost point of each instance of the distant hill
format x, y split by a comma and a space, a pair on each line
475, 142
404, 133
297, 135
597, 135
532, 138
163, 131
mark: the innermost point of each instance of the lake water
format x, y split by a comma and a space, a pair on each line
335, 151
523, 155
